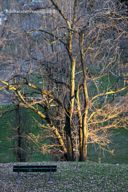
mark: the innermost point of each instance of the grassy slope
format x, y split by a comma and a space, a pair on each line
7, 125
8, 135
119, 137
6, 140
119, 145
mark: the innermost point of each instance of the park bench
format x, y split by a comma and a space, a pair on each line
35, 168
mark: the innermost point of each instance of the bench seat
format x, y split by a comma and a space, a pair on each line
34, 168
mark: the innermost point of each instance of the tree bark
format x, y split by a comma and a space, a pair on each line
69, 144
70, 110
79, 114
83, 155
85, 123
20, 153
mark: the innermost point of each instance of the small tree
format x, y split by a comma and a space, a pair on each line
80, 64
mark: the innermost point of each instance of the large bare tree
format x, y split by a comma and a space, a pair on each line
77, 50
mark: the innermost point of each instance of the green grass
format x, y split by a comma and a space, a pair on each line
95, 177
6, 133
70, 177
119, 145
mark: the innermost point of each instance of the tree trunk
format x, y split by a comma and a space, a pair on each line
20, 154
85, 123
79, 114
69, 144
70, 110
83, 148
83, 152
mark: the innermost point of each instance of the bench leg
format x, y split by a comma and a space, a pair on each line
18, 176
49, 177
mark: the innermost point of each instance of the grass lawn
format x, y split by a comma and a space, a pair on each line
70, 176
